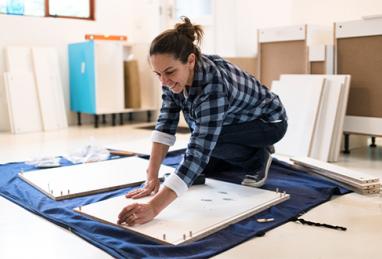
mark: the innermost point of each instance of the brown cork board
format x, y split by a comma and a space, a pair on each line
361, 57
317, 67
284, 57
248, 64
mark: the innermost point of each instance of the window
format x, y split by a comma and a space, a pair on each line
79, 9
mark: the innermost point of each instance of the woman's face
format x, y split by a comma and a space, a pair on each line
172, 72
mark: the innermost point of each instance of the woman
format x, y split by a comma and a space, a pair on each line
234, 120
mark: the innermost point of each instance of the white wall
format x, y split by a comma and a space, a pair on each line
326, 12
136, 19
254, 14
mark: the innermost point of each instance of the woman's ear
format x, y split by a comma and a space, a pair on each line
191, 60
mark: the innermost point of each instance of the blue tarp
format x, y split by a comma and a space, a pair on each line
306, 191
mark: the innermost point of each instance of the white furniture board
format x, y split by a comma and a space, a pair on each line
143, 146
324, 133
363, 125
202, 210
284, 33
345, 182
108, 62
49, 88
340, 120
301, 97
317, 53
84, 179
352, 175
22, 101
358, 28
329, 126
18, 59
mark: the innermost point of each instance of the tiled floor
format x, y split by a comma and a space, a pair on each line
362, 215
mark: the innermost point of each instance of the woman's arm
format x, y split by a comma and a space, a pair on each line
158, 153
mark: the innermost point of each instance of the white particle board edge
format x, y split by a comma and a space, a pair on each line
201, 211
301, 97
90, 178
49, 88
363, 125
358, 28
352, 175
22, 101
369, 188
285, 33
340, 120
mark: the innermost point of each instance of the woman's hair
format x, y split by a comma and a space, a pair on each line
179, 41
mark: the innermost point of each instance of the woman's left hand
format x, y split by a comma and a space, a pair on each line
136, 213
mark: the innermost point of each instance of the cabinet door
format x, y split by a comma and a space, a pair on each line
109, 77
82, 79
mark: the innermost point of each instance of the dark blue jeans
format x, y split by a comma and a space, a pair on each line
242, 146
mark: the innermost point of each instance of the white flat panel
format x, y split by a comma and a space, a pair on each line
108, 59
358, 28
143, 146
363, 125
84, 179
340, 120
202, 210
319, 35
18, 59
317, 53
49, 88
355, 176
285, 33
326, 120
301, 96
329, 59
23, 107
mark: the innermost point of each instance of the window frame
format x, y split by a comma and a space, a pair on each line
90, 18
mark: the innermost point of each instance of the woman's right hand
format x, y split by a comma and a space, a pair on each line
151, 186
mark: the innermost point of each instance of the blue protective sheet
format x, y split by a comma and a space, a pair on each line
306, 191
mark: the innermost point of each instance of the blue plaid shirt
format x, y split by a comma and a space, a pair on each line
221, 94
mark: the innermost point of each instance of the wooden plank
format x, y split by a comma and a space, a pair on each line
90, 178
22, 101
201, 211
351, 175
132, 84
105, 37
305, 91
49, 88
